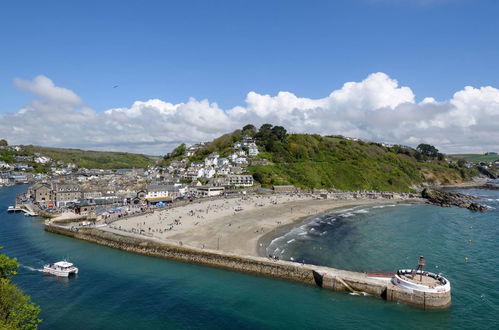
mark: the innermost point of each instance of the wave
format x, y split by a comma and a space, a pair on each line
291, 241
362, 211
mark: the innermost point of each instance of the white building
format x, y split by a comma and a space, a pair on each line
241, 161
211, 160
252, 149
240, 180
42, 160
155, 191
208, 191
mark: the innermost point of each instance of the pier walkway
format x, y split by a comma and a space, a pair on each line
324, 277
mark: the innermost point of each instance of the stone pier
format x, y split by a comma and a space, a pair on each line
324, 277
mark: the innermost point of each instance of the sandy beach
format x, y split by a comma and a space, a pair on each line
233, 224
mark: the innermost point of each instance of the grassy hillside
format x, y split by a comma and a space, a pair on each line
94, 159
314, 161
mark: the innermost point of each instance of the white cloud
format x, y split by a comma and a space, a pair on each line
376, 108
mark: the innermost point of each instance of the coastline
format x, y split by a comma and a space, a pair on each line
216, 225
266, 239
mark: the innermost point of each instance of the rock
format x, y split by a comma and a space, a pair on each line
447, 199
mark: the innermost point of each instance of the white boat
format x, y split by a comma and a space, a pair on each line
61, 268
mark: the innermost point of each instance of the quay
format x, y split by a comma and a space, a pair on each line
324, 277
23, 208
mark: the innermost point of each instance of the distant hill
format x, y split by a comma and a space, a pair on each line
476, 158
94, 159
314, 161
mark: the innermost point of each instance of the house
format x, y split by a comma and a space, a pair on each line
85, 207
209, 172
42, 160
5, 165
211, 160
41, 193
225, 170
223, 162
4, 179
65, 193
241, 161
252, 149
155, 191
240, 180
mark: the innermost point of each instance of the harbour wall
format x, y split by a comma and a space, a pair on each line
324, 277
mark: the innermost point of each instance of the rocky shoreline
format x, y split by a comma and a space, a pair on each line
448, 199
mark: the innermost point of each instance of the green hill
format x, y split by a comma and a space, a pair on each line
94, 159
314, 161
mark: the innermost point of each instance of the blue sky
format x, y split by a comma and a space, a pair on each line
222, 50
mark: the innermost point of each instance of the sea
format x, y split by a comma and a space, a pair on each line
119, 290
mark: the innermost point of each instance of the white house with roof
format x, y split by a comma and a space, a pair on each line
241, 161
211, 160
223, 162
252, 149
209, 172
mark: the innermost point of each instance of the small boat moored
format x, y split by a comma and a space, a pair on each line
61, 268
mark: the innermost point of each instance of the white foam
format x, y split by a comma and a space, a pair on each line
363, 211
32, 269
291, 258
347, 215
324, 232
291, 241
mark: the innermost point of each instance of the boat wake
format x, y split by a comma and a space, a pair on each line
32, 269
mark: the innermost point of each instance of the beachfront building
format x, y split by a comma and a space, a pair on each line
240, 180
41, 193
155, 190
65, 193
209, 191
284, 189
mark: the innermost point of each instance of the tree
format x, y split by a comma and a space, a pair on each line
3, 143
265, 131
427, 150
179, 151
249, 130
279, 133
16, 310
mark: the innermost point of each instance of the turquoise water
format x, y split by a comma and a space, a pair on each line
117, 290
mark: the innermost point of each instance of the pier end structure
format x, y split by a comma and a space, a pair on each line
324, 277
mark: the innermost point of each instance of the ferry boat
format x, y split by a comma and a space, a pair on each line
61, 268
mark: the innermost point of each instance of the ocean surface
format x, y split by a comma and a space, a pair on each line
118, 290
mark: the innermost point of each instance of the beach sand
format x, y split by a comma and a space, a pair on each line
234, 224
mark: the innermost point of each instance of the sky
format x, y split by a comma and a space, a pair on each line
144, 76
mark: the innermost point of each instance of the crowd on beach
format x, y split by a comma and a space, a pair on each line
167, 221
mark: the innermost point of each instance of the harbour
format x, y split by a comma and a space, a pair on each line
152, 289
